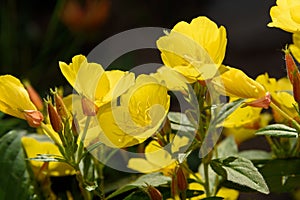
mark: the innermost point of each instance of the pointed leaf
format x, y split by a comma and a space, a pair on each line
226, 110
278, 130
15, 180
241, 171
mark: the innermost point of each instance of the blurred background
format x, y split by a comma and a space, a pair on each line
35, 35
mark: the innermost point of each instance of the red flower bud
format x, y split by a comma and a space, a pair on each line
55, 119
88, 107
33, 117
75, 126
263, 102
60, 106
291, 66
182, 183
296, 87
154, 193
34, 96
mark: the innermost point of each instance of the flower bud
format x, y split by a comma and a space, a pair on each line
291, 66
182, 183
33, 117
262, 102
60, 107
75, 126
88, 107
154, 193
33, 95
296, 87
55, 119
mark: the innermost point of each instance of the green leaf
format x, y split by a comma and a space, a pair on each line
240, 170
15, 180
226, 110
180, 121
282, 175
154, 179
227, 147
278, 130
255, 155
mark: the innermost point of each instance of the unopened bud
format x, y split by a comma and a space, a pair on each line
182, 183
262, 102
33, 117
60, 106
55, 119
75, 126
296, 87
291, 66
174, 188
88, 107
154, 193
33, 95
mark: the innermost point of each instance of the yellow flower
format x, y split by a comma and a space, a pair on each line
295, 48
157, 158
91, 81
173, 79
281, 92
286, 15
196, 50
226, 193
15, 101
133, 117
235, 83
41, 145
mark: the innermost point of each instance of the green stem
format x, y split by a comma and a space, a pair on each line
285, 115
81, 143
86, 195
99, 167
206, 176
51, 135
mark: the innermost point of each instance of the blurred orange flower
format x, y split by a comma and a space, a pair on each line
86, 16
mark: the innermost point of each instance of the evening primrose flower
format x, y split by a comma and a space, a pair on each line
38, 145
91, 81
196, 50
135, 116
295, 47
244, 122
225, 193
157, 158
235, 83
281, 92
15, 101
286, 15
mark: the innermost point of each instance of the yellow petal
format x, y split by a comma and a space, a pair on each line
236, 83
295, 48
243, 117
88, 79
119, 82
174, 81
196, 50
33, 147
285, 15
14, 98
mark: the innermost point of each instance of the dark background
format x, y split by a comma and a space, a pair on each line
33, 38
27, 53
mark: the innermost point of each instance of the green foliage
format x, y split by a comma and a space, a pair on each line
15, 181
278, 130
282, 175
241, 171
